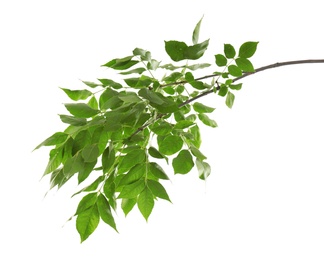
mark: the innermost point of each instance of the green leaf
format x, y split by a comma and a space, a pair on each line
127, 205
204, 169
131, 159
229, 99
108, 159
234, 70
82, 139
77, 94
129, 97
235, 86
176, 50
105, 211
183, 163
158, 190
229, 51
244, 64
93, 186
170, 145
145, 203
110, 83
134, 174
121, 64
87, 222
196, 51
137, 71
91, 84
73, 165
157, 171
132, 190
223, 91
155, 153
55, 139
173, 77
196, 141
220, 60
194, 83
86, 170
197, 153
195, 34
55, 160
161, 128
81, 110
71, 120
197, 66
90, 153
141, 82
93, 103
248, 49
206, 120
183, 124
201, 108
151, 96
86, 202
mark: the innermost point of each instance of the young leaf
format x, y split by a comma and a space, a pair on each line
248, 49
145, 203
170, 145
87, 222
55, 139
244, 64
206, 120
229, 51
77, 94
204, 169
105, 211
201, 108
229, 99
183, 163
195, 34
220, 60
158, 190
81, 110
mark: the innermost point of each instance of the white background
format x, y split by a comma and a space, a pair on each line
264, 199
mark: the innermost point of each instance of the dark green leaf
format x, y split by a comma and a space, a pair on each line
132, 158
82, 139
204, 169
86, 170
173, 77
201, 108
127, 205
105, 211
145, 203
234, 70
196, 84
109, 99
248, 49
223, 91
229, 51
121, 64
129, 97
220, 60
183, 124
195, 34
141, 82
57, 138
244, 64
155, 153
81, 110
151, 96
132, 190
183, 163
206, 120
158, 190
108, 159
87, 222
170, 145
196, 51
73, 165
229, 99
176, 50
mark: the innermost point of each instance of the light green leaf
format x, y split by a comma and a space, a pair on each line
201, 108
77, 94
220, 60
244, 64
121, 64
229, 51
158, 190
196, 141
248, 49
91, 84
129, 97
132, 190
110, 83
145, 203
229, 99
197, 66
170, 145
195, 34
206, 120
86, 202
55, 139
134, 174
87, 222
93, 186
196, 152
127, 205
137, 71
236, 86
157, 171
162, 128
76, 121
105, 211
131, 159
81, 110
204, 169
183, 163
234, 70
55, 160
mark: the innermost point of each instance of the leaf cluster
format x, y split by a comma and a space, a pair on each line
123, 132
